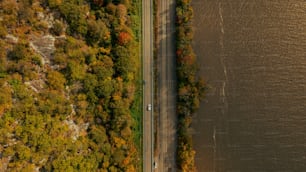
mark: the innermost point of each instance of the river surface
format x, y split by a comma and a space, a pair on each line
252, 53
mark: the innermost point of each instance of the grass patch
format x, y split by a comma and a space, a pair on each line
136, 108
137, 115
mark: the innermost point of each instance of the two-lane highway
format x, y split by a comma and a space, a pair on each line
147, 56
166, 95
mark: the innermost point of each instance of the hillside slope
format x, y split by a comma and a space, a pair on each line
68, 78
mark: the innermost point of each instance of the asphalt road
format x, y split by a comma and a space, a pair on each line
166, 122
147, 52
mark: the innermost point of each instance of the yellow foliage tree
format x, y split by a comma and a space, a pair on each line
5, 99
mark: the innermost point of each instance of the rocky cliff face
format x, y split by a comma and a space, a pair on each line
68, 74
29, 64
44, 46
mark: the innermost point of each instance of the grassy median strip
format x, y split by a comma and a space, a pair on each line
137, 106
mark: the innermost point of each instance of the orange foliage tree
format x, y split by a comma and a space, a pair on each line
124, 38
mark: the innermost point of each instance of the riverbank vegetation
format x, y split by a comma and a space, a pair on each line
68, 73
190, 87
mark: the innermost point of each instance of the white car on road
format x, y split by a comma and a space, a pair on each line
149, 107
155, 164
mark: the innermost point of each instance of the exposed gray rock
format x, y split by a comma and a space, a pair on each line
35, 85
43, 45
11, 38
76, 129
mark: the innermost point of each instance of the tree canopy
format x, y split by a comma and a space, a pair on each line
67, 103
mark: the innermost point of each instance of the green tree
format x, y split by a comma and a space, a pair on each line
20, 51
103, 69
56, 80
76, 71
124, 63
75, 15
58, 28
98, 33
5, 99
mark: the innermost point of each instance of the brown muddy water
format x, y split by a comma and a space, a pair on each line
252, 53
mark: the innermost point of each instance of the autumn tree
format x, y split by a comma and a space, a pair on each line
98, 2
75, 71
190, 88
19, 51
98, 33
124, 38
56, 80
73, 113
58, 28
5, 99
75, 15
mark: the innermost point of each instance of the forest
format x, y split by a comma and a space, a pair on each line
69, 78
190, 89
